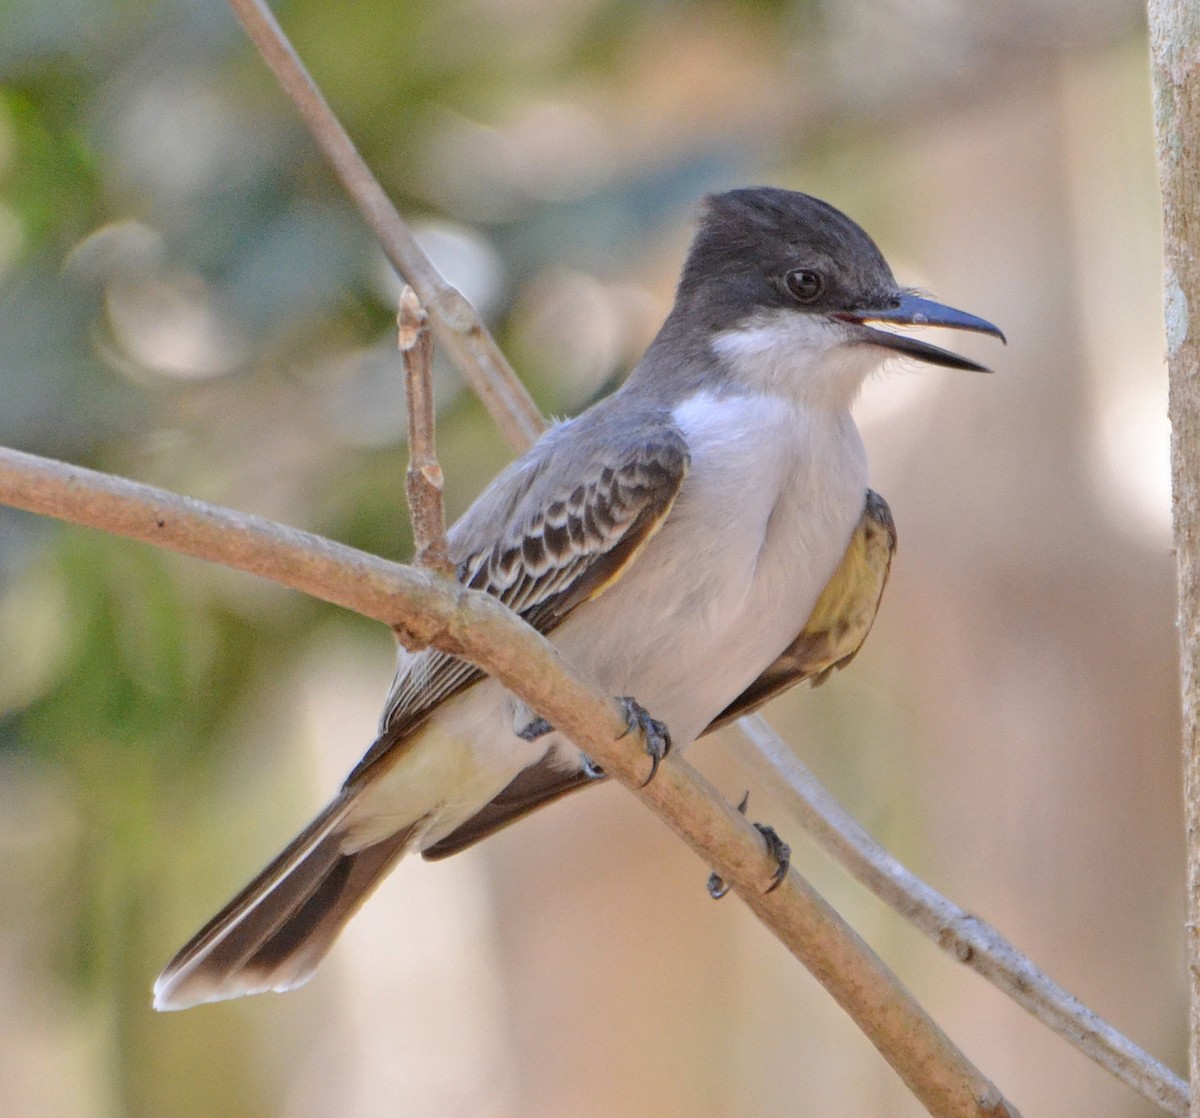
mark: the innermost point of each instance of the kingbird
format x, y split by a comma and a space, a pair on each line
699, 540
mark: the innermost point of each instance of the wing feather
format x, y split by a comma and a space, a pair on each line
562, 542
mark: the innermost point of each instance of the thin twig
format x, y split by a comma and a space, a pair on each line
961, 934
455, 321
1175, 53
429, 611
423, 482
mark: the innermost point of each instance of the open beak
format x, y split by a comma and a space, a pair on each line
912, 310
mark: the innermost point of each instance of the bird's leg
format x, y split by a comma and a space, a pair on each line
656, 734
538, 727
776, 847
658, 737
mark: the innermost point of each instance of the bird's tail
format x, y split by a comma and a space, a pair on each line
272, 935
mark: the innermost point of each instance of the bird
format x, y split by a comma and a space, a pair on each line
698, 541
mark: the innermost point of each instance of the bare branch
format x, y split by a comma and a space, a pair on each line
429, 611
454, 320
959, 933
1175, 53
423, 482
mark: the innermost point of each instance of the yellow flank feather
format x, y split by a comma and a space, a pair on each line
846, 608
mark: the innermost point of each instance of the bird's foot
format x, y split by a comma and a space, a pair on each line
536, 728
656, 734
776, 847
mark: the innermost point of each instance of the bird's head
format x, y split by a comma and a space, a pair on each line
785, 287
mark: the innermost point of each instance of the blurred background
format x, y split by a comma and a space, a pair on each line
187, 299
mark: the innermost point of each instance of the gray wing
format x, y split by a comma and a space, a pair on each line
557, 528
840, 620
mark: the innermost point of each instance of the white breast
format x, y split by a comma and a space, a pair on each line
771, 498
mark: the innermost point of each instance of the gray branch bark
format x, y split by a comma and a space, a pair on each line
1175, 52
423, 483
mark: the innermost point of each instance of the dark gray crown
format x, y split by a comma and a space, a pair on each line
748, 241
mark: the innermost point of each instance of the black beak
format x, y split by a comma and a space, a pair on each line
912, 310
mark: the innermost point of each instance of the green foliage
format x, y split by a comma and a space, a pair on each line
48, 175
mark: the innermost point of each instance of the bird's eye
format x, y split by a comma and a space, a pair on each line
804, 284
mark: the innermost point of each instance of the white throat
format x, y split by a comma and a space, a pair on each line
801, 357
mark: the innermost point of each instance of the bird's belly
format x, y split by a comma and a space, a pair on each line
686, 651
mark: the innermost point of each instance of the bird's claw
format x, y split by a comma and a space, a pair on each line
717, 886
779, 850
655, 733
776, 847
590, 769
